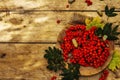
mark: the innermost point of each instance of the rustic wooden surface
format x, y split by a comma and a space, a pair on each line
28, 27
57, 4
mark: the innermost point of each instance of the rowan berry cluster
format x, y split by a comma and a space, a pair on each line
91, 50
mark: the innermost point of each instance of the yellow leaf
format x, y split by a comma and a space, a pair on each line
87, 21
96, 19
115, 62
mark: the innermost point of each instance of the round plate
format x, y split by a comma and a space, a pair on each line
88, 71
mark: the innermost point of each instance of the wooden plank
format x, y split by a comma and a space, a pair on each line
40, 27
56, 4
26, 61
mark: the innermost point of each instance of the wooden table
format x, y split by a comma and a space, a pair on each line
28, 27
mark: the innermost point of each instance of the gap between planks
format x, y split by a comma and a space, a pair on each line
28, 11
35, 43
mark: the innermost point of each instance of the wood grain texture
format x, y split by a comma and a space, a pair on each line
26, 61
56, 4
40, 27
26, 24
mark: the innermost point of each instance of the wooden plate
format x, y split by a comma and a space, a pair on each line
88, 71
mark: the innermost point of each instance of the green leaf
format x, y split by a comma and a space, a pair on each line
54, 58
47, 51
112, 37
116, 33
108, 32
107, 28
72, 73
99, 32
50, 50
112, 9
46, 56
106, 10
115, 28
112, 14
50, 67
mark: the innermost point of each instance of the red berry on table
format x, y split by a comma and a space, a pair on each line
67, 6
53, 78
89, 2
58, 21
104, 75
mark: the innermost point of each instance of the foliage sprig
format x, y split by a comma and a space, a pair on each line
56, 63
107, 30
54, 59
72, 73
110, 12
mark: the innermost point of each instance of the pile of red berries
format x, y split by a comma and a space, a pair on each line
91, 50
104, 75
